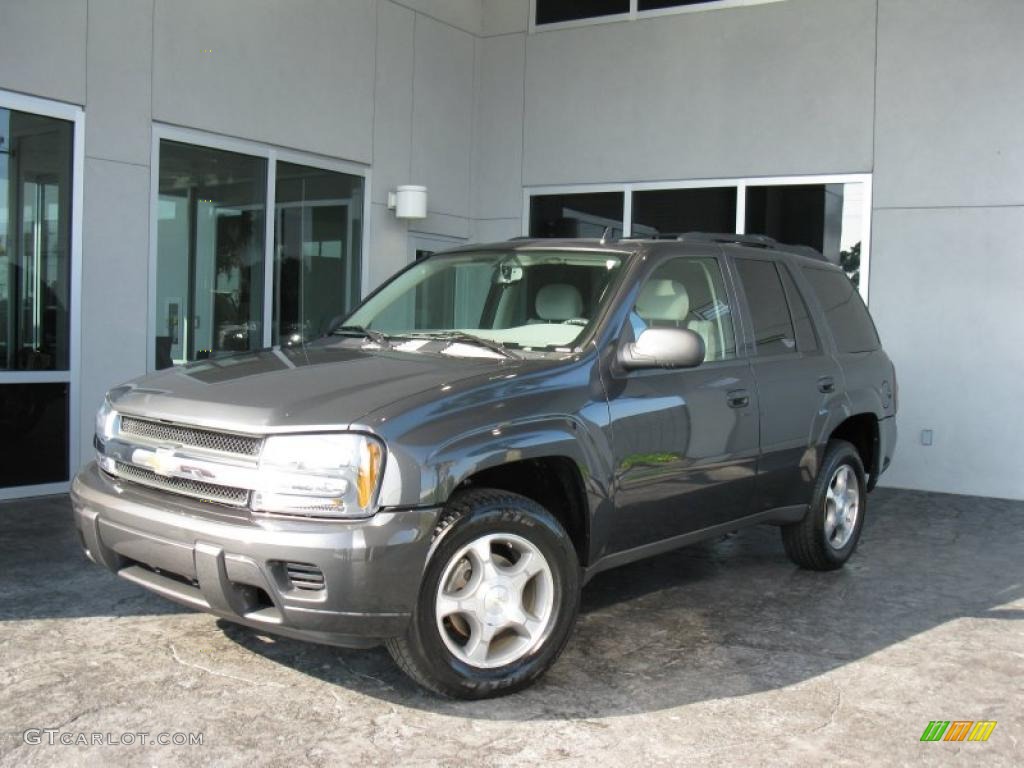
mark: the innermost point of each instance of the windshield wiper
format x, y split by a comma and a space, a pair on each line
469, 338
357, 330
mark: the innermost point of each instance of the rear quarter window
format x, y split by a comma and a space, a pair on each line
844, 310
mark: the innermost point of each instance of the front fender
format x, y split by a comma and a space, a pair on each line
535, 438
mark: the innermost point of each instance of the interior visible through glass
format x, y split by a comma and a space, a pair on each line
35, 241
210, 247
586, 214
527, 299
318, 236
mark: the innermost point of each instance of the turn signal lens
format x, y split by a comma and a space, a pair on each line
369, 471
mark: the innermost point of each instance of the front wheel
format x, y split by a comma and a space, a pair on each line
829, 532
498, 600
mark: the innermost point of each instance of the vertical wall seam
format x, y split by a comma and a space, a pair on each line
412, 105
522, 126
874, 147
373, 86
478, 57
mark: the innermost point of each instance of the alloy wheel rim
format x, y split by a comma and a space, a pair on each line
495, 601
842, 506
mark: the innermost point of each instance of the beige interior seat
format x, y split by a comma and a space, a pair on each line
666, 303
663, 303
558, 302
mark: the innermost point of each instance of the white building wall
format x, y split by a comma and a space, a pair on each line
792, 88
459, 95
386, 83
947, 274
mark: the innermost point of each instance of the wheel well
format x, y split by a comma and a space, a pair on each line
553, 482
862, 431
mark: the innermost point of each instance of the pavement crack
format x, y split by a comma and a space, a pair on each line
201, 668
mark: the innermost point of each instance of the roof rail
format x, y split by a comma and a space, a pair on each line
758, 241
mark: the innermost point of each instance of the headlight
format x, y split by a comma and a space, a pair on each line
106, 427
329, 475
106, 421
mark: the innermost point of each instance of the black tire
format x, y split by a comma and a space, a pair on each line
806, 542
421, 652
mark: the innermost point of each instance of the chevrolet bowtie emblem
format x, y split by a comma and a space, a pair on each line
161, 461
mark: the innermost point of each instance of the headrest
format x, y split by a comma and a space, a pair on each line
663, 300
558, 302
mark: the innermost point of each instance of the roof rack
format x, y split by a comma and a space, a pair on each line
758, 241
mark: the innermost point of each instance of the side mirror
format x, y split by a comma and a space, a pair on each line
664, 348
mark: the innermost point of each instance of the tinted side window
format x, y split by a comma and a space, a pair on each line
805, 337
688, 293
769, 313
844, 310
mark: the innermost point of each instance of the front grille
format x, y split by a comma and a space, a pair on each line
218, 494
304, 576
225, 442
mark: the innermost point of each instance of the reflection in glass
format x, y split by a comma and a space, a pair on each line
33, 434
552, 11
675, 211
826, 217
210, 244
35, 241
318, 234
651, 5
576, 215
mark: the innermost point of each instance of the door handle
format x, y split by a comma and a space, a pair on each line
738, 398
826, 384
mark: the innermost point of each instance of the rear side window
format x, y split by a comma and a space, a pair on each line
769, 313
805, 338
844, 310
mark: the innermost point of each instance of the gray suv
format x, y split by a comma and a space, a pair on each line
495, 425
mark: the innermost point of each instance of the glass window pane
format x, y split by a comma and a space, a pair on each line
826, 217
769, 313
844, 310
318, 233
33, 434
582, 215
650, 5
210, 244
551, 11
675, 211
688, 293
806, 340
35, 241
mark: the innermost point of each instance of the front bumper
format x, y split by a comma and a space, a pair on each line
219, 560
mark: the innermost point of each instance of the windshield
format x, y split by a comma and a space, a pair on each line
526, 300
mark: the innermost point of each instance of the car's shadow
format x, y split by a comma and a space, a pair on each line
726, 618
734, 617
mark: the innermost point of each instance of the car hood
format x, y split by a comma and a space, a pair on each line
325, 386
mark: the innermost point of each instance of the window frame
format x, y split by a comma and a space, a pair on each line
635, 13
72, 376
740, 183
272, 154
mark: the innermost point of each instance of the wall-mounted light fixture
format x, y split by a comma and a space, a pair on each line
408, 201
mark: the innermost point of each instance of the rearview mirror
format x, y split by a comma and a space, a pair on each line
664, 348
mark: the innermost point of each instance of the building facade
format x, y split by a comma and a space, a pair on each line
179, 177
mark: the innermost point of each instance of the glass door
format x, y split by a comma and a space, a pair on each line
35, 298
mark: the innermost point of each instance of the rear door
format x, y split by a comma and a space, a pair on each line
795, 377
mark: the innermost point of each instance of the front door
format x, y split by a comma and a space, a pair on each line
685, 441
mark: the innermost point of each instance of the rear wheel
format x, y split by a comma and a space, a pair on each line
498, 600
829, 532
